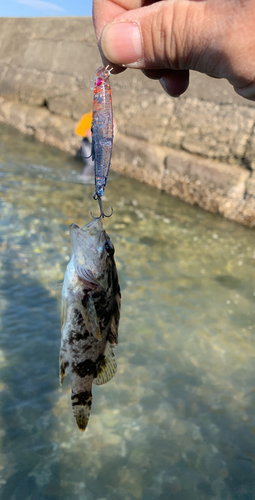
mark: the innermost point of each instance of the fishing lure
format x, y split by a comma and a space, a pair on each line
102, 131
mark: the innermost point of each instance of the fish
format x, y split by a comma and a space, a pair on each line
90, 312
102, 130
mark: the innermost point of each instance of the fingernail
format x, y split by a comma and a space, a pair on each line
122, 43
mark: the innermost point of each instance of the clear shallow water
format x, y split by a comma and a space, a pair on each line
178, 420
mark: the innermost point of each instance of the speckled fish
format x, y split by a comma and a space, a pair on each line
90, 316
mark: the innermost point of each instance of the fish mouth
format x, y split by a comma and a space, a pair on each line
90, 237
88, 251
73, 226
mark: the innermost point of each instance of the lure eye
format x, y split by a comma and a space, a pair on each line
99, 81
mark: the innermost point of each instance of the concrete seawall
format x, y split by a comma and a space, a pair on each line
200, 147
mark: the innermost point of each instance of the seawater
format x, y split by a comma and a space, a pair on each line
177, 422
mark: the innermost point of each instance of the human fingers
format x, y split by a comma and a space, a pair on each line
105, 11
247, 91
215, 37
139, 44
173, 82
163, 35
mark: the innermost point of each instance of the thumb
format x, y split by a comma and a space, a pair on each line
169, 34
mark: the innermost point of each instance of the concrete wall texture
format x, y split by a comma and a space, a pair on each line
200, 147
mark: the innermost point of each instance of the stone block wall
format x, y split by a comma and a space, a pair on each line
200, 147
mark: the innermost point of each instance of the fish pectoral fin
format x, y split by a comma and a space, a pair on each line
91, 319
107, 368
113, 330
63, 367
64, 305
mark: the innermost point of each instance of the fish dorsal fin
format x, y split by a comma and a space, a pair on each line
107, 368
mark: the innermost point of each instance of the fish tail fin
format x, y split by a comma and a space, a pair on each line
81, 404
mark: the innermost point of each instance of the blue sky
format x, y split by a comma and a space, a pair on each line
43, 8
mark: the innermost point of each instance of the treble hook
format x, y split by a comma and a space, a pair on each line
96, 197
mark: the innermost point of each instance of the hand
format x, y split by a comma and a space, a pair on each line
168, 38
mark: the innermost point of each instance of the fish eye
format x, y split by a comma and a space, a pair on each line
109, 248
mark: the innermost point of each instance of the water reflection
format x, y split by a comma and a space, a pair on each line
177, 421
